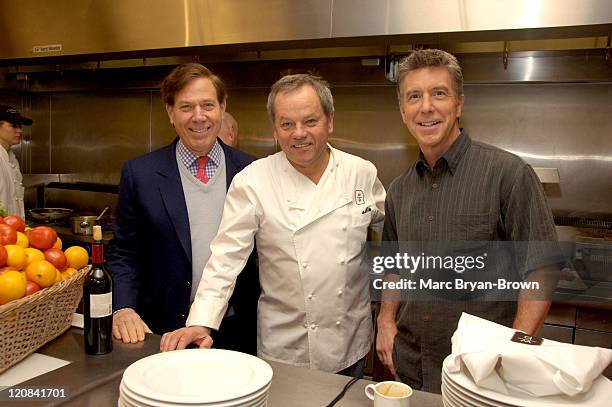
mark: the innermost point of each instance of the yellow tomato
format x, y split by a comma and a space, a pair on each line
15, 256
12, 286
33, 254
22, 240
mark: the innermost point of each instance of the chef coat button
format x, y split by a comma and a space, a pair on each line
338, 323
339, 292
430, 218
310, 296
342, 261
343, 227
304, 265
313, 326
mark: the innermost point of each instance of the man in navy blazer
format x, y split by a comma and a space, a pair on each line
158, 251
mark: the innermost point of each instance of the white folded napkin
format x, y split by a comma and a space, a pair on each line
497, 363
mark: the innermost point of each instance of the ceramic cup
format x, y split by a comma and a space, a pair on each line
389, 394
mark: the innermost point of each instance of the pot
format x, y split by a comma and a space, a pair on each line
83, 225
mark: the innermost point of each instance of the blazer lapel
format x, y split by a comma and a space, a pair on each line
173, 196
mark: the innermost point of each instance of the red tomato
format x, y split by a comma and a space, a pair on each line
42, 237
8, 234
8, 268
56, 257
16, 222
32, 287
3, 256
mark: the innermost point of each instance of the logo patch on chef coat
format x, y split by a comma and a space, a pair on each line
359, 197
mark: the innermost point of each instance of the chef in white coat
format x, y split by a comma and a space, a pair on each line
308, 207
11, 185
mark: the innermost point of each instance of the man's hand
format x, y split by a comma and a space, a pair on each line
387, 329
179, 339
128, 326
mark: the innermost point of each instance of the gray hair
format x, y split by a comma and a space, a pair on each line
290, 83
424, 58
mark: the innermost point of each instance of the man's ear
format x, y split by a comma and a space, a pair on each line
169, 112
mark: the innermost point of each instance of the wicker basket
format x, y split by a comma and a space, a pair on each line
30, 322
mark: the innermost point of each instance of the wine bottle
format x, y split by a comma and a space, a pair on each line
98, 301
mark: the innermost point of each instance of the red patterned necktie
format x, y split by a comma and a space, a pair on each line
202, 175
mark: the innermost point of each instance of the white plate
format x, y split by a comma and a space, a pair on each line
135, 400
598, 396
468, 396
197, 376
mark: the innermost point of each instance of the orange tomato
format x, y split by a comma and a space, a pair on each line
22, 240
12, 286
77, 257
42, 273
15, 256
58, 244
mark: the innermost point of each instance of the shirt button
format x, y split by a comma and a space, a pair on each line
188, 283
310, 296
313, 326
339, 292
344, 227
304, 265
342, 261
183, 316
435, 185
430, 218
338, 323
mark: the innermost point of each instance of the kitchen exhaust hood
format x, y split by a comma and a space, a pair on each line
33, 29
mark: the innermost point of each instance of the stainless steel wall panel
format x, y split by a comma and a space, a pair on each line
162, 132
255, 132
97, 132
112, 26
564, 126
367, 123
353, 18
212, 22
39, 144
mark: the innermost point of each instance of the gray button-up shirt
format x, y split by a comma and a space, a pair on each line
474, 192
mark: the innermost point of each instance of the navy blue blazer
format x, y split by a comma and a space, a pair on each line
149, 258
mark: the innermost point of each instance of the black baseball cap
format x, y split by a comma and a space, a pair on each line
9, 114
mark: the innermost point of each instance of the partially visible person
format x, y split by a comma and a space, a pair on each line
457, 190
308, 207
170, 206
11, 186
229, 130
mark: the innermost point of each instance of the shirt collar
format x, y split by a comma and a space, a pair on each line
452, 157
188, 157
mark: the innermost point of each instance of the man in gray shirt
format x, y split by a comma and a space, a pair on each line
457, 190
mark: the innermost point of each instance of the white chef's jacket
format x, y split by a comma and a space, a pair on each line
314, 308
11, 186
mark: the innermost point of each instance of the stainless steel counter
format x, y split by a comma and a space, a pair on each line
94, 380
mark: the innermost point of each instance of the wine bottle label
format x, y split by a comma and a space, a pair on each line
100, 305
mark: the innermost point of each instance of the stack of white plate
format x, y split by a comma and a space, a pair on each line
459, 390
196, 377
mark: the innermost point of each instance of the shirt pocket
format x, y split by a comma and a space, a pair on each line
472, 227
